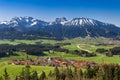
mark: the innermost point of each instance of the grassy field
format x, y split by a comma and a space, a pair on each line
15, 42
87, 43
84, 43
16, 69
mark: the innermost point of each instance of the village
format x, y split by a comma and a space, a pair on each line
54, 61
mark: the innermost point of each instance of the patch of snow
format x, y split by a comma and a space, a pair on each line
63, 23
81, 21
91, 21
20, 18
34, 23
4, 22
27, 20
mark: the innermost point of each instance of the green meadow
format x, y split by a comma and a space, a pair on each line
84, 43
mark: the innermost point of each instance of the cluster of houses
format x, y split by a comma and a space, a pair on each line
54, 61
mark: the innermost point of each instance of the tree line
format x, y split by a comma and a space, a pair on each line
99, 72
31, 49
38, 49
110, 52
12, 34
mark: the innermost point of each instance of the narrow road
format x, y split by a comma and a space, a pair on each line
78, 46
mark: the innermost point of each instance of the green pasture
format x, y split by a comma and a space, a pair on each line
84, 43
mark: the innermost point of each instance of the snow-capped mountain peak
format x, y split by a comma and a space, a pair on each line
22, 19
77, 22
26, 21
32, 22
81, 22
61, 27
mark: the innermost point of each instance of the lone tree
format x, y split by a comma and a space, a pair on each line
6, 75
42, 76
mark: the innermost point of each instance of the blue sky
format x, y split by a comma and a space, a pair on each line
103, 10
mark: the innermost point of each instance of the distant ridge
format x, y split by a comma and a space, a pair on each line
61, 27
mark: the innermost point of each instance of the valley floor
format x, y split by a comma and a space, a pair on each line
86, 44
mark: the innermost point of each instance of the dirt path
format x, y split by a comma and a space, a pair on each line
78, 46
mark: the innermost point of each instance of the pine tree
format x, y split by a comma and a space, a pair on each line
85, 75
100, 73
27, 73
75, 71
57, 73
16, 78
6, 75
22, 74
80, 74
111, 71
69, 74
50, 73
42, 76
89, 72
106, 70
117, 73
63, 75
35, 75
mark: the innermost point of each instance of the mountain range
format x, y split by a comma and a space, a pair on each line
59, 28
